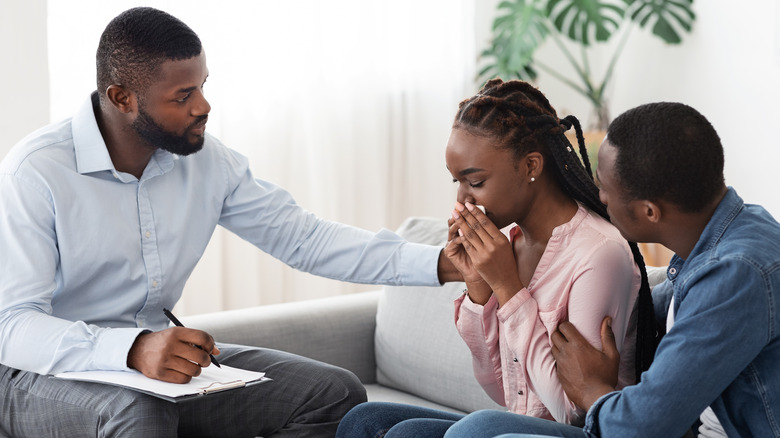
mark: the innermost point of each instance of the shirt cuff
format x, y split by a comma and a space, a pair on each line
420, 265
113, 346
591, 427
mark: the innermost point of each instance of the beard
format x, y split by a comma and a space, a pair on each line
157, 137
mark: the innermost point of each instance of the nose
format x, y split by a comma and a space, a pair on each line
463, 194
201, 106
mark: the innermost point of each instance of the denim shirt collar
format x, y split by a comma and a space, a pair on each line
727, 210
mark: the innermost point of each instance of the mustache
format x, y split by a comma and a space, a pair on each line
200, 121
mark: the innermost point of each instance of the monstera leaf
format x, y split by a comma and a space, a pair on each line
519, 29
663, 14
581, 20
523, 25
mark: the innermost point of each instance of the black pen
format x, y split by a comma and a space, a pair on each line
178, 323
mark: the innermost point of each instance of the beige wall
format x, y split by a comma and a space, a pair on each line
24, 76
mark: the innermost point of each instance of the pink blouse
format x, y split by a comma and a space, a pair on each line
586, 273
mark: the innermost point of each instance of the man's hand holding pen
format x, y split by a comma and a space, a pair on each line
175, 355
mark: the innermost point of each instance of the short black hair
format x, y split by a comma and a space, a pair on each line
668, 151
137, 42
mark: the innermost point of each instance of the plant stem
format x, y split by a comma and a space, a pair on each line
580, 72
562, 78
615, 56
585, 63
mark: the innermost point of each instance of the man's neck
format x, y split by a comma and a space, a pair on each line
685, 229
128, 152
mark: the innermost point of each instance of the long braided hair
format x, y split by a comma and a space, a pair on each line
521, 118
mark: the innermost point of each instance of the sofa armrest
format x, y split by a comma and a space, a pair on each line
337, 330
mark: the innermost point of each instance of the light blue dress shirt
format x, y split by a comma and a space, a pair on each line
90, 256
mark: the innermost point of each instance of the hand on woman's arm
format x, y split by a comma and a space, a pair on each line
585, 373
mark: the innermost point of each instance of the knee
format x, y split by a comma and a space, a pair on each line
347, 383
365, 419
474, 422
368, 411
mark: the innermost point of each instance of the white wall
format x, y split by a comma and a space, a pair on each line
24, 76
728, 68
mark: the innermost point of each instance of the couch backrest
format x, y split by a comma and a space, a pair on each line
418, 350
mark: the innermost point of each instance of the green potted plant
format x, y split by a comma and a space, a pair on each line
523, 25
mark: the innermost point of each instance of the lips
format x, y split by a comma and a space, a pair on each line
199, 127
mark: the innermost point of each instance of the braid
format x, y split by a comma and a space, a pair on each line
521, 118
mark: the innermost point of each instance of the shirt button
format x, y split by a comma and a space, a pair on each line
672, 271
154, 283
514, 360
520, 392
148, 234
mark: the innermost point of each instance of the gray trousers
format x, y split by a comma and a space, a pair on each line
306, 398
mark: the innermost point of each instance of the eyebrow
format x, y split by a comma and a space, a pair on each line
192, 88
469, 171
186, 90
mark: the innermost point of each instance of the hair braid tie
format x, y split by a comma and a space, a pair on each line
572, 121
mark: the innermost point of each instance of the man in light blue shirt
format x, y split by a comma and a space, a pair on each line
105, 215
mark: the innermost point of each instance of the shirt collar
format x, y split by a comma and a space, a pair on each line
724, 214
90, 148
727, 210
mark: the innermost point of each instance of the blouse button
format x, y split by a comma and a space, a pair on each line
520, 392
514, 360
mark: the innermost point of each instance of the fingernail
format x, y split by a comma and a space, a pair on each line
455, 214
470, 206
459, 206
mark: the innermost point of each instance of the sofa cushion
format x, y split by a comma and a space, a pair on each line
418, 350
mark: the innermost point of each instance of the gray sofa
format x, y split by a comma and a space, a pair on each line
401, 342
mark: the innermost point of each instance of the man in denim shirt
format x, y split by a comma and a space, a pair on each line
715, 371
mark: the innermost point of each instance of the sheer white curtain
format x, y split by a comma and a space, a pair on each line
345, 103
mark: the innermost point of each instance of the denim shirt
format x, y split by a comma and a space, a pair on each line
723, 350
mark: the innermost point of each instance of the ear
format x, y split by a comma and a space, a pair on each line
650, 210
534, 163
121, 98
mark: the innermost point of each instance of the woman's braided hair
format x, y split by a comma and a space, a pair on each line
521, 119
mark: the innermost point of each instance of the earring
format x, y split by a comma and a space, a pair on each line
533, 179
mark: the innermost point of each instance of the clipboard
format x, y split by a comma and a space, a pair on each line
211, 380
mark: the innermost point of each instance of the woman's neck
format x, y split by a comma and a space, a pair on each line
550, 209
